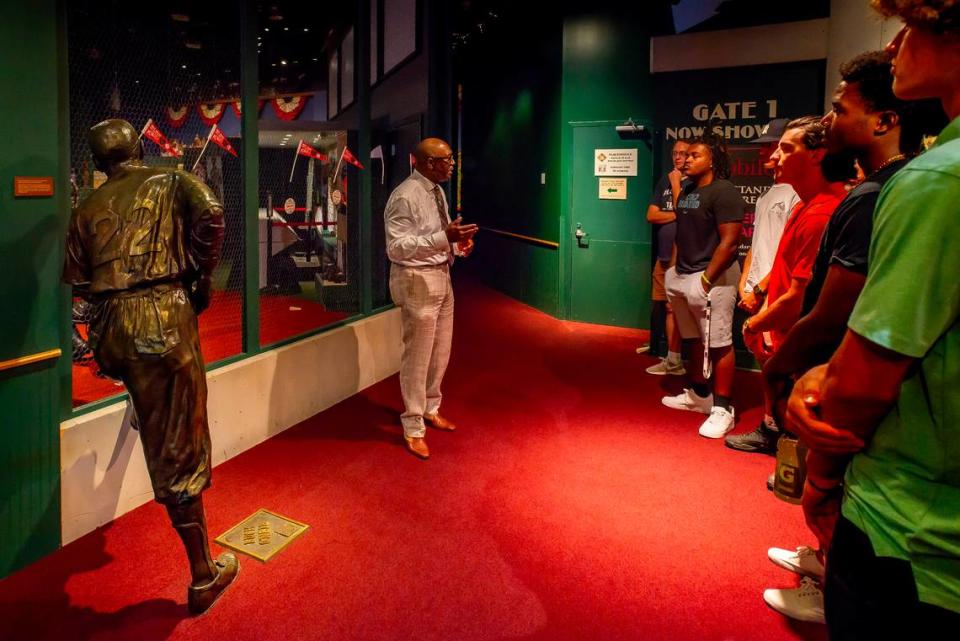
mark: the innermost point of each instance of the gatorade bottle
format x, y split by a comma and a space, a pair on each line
791, 470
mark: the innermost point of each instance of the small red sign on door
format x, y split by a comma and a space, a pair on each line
32, 186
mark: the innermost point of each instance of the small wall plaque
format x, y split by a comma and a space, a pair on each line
32, 186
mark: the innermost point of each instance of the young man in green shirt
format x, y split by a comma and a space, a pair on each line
882, 418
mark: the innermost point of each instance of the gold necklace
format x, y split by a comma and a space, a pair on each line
889, 161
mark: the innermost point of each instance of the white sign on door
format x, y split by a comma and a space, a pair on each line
613, 189
614, 162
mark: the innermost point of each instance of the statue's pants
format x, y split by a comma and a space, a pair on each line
148, 339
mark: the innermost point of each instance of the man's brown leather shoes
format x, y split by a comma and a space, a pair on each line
417, 446
438, 422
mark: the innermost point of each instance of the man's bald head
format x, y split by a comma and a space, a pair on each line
431, 148
434, 159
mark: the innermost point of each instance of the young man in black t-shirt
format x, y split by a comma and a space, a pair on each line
709, 222
868, 122
879, 130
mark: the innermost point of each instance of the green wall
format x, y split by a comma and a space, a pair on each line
606, 77
524, 82
31, 239
511, 118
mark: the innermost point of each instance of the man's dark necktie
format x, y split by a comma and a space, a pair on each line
441, 207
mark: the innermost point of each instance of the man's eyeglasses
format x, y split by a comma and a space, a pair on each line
445, 159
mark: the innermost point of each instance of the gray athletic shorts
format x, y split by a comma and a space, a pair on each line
686, 295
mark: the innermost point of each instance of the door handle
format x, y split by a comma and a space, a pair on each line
583, 238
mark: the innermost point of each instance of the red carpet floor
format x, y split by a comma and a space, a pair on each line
568, 505
221, 335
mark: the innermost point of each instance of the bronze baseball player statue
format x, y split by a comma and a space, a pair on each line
141, 249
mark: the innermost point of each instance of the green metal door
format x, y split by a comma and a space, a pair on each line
609, 237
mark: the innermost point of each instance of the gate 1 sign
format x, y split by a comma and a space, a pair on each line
738, 104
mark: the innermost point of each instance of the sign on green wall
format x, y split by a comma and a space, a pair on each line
736, 103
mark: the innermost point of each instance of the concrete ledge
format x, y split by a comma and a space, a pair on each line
102, 470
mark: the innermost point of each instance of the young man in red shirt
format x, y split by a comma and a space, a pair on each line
799, 158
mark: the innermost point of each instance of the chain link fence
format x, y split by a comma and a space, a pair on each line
158, 61
309, 251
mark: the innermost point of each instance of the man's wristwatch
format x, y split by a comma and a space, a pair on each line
758, 292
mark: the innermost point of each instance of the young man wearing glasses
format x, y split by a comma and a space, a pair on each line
662, 215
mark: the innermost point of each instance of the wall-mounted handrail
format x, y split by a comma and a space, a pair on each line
530, 239
22, 361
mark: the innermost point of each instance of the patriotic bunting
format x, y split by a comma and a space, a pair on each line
288, 107
176, 116
238, 108
211, 113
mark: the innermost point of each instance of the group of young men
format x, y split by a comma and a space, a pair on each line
851, 290
851, 285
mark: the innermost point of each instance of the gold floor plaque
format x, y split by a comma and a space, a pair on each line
262, 534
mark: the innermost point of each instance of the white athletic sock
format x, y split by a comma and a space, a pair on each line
673, 358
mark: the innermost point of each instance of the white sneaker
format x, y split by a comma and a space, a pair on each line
643, 349
718, 423
689, 400
665, 367
803, 561
803, 604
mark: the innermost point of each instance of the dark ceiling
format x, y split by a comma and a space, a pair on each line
295, 39
193, 49
474, 17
